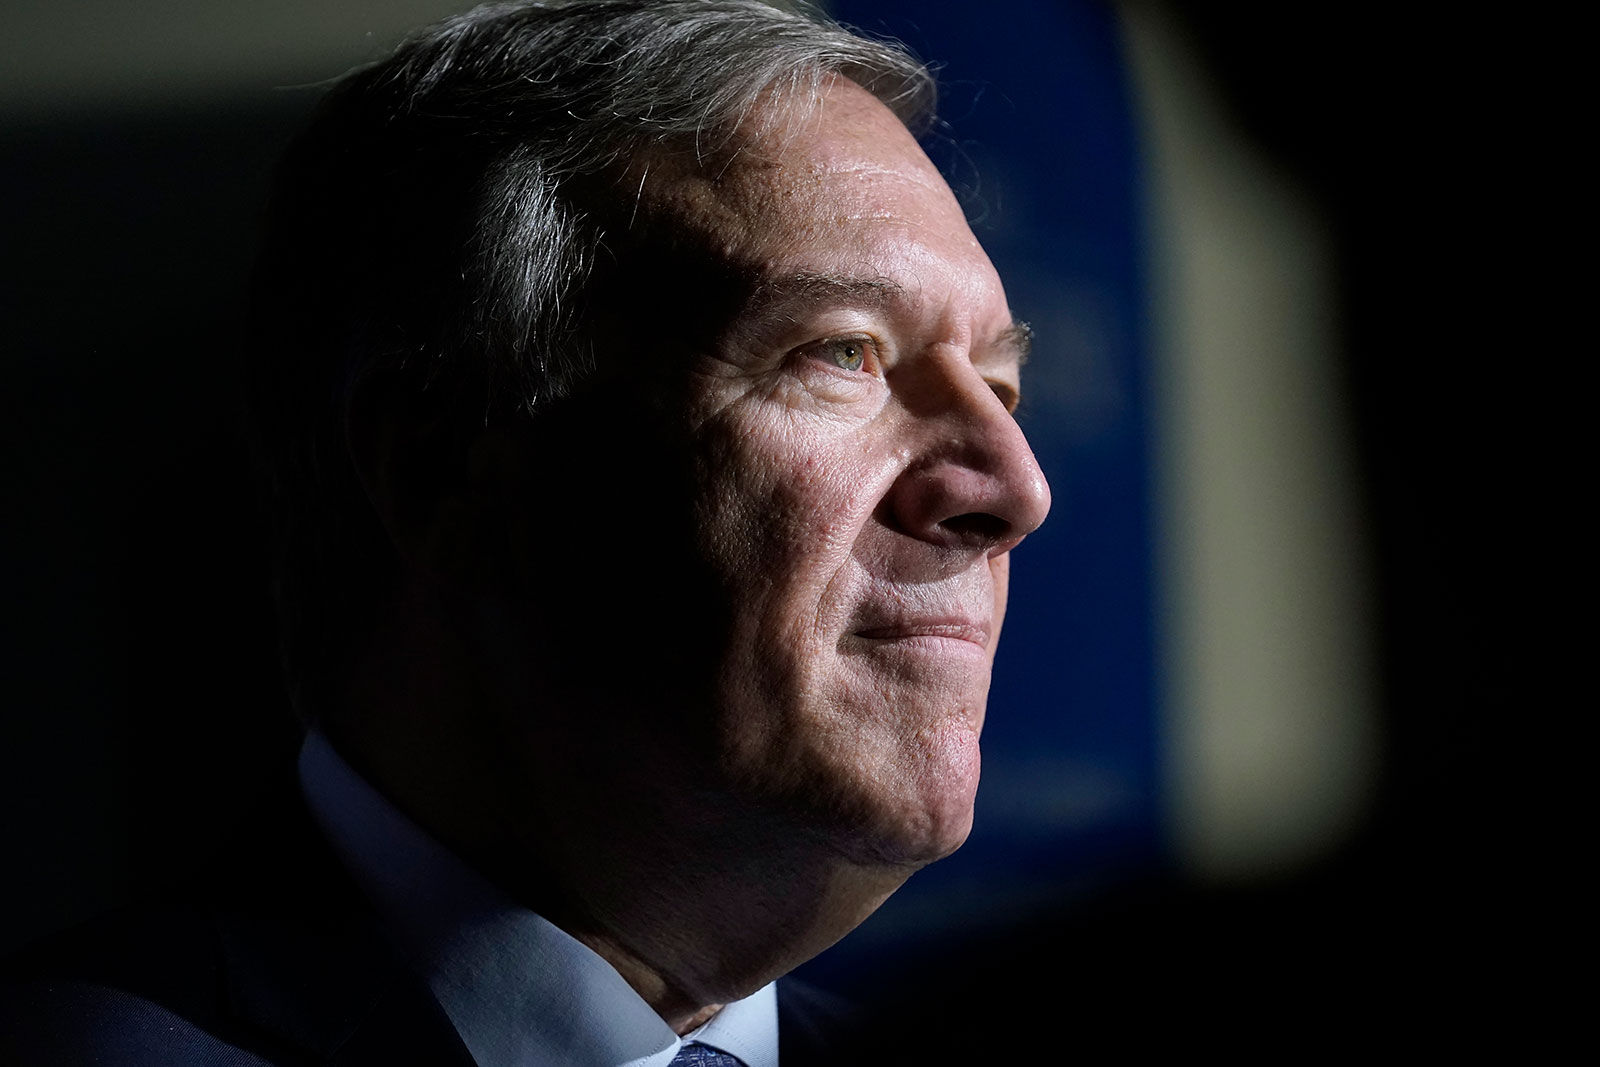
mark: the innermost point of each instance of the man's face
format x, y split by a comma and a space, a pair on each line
808, 344
859, 477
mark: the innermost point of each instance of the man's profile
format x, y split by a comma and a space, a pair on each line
637, 407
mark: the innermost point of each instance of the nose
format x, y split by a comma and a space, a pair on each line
973, 482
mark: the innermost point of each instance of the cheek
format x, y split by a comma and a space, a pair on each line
1000, 576
781, 502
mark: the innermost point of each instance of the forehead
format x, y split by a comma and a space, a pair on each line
838, 188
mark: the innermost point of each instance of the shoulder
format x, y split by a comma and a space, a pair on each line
271, 957
140, 987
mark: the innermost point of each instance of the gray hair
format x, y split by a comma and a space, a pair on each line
430, 226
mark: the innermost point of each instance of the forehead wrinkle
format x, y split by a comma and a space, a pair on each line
922, 177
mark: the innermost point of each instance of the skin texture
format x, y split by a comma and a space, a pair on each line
695, 664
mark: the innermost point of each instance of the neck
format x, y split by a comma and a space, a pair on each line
694, 921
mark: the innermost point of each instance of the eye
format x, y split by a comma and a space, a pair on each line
846, 353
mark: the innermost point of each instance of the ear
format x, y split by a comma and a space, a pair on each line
442, 485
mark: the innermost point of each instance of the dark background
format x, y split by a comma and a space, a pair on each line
141, 704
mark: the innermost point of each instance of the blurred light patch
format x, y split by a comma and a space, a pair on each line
1264, 603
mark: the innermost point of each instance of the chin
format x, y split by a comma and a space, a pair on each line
919, 808
880, 765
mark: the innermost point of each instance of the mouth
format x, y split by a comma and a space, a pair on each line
920, 630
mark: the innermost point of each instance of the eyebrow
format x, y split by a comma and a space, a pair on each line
1019, 338
773, 295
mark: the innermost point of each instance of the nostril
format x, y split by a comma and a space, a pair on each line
977, 528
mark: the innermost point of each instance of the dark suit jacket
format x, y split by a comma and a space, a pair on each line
275, 958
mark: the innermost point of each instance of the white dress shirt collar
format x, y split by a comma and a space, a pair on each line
519, 990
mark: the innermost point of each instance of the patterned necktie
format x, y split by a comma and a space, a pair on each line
694, 1054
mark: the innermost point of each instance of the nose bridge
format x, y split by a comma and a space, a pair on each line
974, 480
